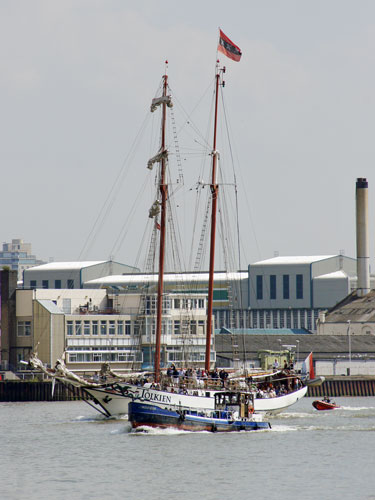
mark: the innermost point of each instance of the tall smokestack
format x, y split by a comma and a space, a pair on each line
363, 257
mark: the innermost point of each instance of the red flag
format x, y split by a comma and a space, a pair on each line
228, 48
157, 225
308, 367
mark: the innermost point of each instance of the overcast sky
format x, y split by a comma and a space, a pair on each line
77, 78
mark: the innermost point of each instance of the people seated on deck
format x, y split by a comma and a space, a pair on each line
285, 365
326, 399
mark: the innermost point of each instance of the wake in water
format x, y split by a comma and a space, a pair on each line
290, 415
100, 418
144, 430
357, 408
155, 431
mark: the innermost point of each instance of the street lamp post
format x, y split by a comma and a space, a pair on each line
350, 348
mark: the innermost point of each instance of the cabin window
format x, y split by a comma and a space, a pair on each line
33, 284
259, 287
201, 303
57, 283
128, 325
70, 283
45, 284
120, 327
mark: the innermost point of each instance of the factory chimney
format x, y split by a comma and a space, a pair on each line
363, 258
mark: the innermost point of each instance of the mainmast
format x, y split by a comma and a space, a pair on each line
214, 193
162, 158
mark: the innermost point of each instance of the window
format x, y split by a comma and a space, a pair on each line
259, 287
57, 283
201, 326
127, 327
23, 328
112, 328
44, 283
95, 327
32, 283
70, 283
272, 286
299, 286
86, 328
176, 327
78, 325
177, 303
103, 327
200, 303
286, 286
193, 327
69, 327
120, 328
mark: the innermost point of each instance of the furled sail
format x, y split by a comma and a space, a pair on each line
158, 157
161, 100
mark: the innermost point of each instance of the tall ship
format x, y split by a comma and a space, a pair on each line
195, 384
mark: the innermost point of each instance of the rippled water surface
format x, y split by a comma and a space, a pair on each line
68, 451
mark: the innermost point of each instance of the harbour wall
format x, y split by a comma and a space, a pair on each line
343, 386
12, 391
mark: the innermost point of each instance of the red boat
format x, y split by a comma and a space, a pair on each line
325, 404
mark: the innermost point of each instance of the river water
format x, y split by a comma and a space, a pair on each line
65, 450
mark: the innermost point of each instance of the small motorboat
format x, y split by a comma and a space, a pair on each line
325, 404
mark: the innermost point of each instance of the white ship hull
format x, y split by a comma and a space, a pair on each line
113, 402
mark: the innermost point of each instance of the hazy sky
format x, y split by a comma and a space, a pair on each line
76, 81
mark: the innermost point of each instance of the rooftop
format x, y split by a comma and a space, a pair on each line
299, 259
66, 266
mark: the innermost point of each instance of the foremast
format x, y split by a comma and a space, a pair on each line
161, 157
214, 194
